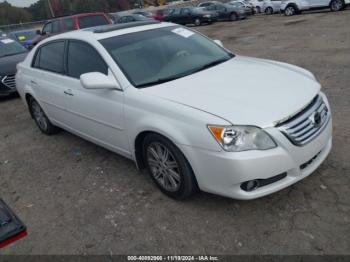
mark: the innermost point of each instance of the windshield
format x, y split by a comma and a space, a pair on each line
23, 36
156, 56
10, 47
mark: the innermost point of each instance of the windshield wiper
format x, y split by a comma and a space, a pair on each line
211, 64
164, 79
170, 78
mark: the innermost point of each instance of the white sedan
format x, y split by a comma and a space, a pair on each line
182, 106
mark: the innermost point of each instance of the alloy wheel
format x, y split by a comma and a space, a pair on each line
39, 116
163, 166
233, 17
290, 11
197, 22
268, 11
336, 5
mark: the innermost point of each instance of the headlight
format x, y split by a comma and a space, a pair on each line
207, 16
241, 138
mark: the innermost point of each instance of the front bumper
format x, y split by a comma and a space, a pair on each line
223, 173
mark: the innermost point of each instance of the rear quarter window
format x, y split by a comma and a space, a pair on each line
91, 21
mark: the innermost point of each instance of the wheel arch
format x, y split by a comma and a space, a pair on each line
138, 150
138, 142
294, 5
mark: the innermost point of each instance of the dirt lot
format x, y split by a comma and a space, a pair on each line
78, 198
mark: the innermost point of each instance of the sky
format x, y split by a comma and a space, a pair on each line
20, 3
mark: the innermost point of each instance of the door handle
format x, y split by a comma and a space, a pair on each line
68, 92
33, 82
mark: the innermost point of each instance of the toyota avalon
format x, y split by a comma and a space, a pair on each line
181, 106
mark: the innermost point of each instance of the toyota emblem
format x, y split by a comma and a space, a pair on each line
316, 119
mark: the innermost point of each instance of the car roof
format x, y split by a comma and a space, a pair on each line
77, 15
107, 31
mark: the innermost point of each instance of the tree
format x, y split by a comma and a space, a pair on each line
13, 15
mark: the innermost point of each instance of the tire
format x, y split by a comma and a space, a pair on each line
233, 17
169, 170
40, 118
290, 10
269, 11
197, 22
337, 5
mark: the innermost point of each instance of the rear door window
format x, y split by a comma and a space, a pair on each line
92, 20
50, 57
80, 57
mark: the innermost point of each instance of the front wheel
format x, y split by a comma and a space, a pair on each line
290, 10
168, 167
269, 11
197, 22
233, 17
336, 5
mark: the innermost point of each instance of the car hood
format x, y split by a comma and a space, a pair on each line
244, 91
8, 63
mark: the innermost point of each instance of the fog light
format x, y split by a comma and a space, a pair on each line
250, 185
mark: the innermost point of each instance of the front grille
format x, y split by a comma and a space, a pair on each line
9, 81
307, 124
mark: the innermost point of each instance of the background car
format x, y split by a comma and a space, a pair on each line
224, 11
161, 14
248, 7
258, 4
271, 6
74, 22
292, 7
27, 38
191, 15
11, 53
132, 18
145, 14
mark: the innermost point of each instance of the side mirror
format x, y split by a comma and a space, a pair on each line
38, 32
218, 42
96, 80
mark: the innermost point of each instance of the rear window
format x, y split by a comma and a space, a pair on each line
91, 21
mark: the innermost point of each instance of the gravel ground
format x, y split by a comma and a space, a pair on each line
78, 198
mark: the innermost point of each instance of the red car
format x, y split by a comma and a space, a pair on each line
161, 14
73, 22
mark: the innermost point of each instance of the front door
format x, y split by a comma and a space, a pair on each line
97, 115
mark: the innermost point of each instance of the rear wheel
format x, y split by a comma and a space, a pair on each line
168, 167
290, 10
40, 118
269, 11
337, 5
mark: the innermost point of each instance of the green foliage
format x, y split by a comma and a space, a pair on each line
13, 15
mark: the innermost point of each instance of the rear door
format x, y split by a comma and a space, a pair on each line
48, 80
